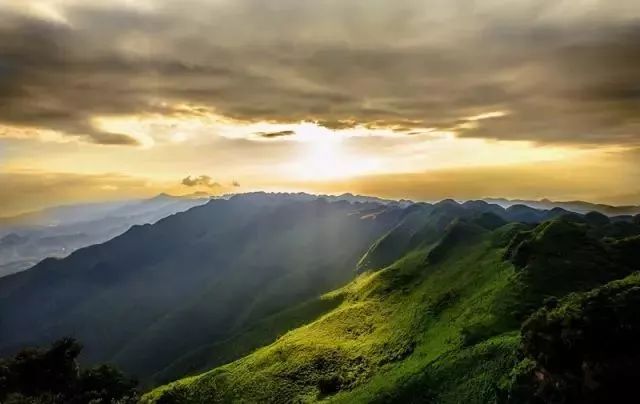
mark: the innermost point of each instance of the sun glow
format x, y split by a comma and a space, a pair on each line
325, 157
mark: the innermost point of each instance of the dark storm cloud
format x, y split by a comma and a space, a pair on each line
200, 181
563, 74
41, 84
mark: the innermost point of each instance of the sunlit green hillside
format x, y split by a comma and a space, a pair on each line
441, 324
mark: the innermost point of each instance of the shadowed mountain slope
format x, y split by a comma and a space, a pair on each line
144, 299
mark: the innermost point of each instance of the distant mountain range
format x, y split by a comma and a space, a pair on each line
573, 206
27, 239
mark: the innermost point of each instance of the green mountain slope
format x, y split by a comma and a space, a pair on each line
248, 339
441, 324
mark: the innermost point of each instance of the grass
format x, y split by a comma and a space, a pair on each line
397, 327
247, 340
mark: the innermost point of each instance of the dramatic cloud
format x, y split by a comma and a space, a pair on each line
201, 181
561, 71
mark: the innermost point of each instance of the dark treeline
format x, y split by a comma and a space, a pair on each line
53, 376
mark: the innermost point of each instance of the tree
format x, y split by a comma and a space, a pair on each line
583, 350
52, 376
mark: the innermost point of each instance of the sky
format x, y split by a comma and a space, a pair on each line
420, 99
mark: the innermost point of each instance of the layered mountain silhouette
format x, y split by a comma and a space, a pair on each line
573, 206
56, 232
